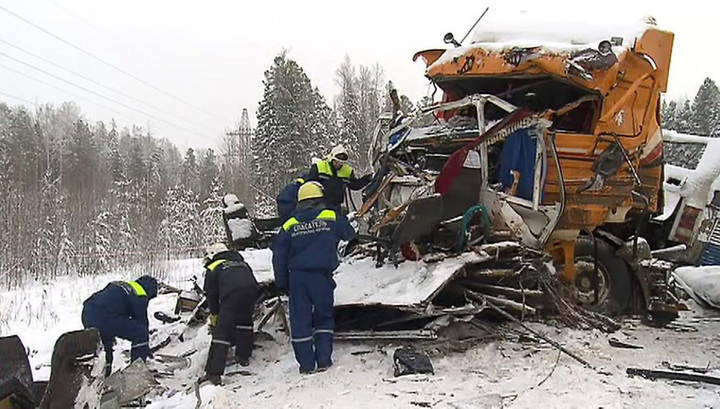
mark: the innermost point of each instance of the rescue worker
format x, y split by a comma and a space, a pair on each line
286, 200
120, 311
334, 174
231, 291
304, 258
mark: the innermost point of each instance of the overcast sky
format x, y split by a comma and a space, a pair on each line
212, 54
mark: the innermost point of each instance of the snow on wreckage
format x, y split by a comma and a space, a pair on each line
547, 140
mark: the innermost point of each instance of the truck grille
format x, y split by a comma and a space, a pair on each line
711, 254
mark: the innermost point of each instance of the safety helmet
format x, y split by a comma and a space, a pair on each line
339, 153
212, 250
310, 190
230, 199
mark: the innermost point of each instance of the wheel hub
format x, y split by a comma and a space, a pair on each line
584, 289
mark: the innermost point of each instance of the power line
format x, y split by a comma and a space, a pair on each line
93, 56
63, 91
19, 99
97, 94
95, 82
99, 30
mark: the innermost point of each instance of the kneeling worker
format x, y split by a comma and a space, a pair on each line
120, 311
231, 290
304, 258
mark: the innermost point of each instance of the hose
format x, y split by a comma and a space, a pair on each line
466, 220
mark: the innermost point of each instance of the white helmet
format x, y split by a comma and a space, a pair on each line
212, 250
230, 199
339, 153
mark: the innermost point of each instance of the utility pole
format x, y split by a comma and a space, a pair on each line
240, 159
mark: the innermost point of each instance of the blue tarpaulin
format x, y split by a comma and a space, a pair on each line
519, 155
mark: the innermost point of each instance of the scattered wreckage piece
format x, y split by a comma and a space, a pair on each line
130, 383
385, 335
674, 367
407, 360
654, 374
75, 376
616, 343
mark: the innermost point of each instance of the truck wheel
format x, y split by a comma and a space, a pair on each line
614, 281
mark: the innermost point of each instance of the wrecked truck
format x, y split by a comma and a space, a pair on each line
553, 142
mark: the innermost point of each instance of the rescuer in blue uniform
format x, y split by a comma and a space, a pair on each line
231, 290
120, 311
334, 174
304, 258
286, 200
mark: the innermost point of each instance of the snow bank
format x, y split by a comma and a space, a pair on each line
411, 283
701, 283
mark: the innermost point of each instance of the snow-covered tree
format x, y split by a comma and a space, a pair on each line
684, 118
668, 114
706, 110
294, 125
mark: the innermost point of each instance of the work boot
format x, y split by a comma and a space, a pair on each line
323, 368
213, 379
243, 361
307, 372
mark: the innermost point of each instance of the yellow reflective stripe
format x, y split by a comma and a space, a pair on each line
327, 215
290, 223
139, 290
215, 264
345, 172
324, 168
300, 180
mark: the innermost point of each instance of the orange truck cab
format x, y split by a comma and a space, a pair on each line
588, 92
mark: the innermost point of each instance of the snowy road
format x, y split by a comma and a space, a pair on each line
489, 375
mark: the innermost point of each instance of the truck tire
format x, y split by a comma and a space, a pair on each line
615, 282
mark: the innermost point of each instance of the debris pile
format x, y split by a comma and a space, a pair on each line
416, 299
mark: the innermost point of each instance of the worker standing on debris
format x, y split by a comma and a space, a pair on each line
231, 290
304, 258
120, 311
334, 174
287, 199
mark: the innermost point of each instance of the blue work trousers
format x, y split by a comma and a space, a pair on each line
311, 318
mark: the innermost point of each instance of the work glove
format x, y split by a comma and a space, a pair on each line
212, 320
366, 178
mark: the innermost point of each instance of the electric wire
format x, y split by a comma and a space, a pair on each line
96, 58
65, 91
98, 94
45, 60
105, 33
27, 101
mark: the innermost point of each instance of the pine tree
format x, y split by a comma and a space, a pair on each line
294, 125
208, 173
669, 115
706, 110
683, 121
348, 108
190, 171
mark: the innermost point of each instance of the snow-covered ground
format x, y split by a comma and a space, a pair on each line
498, 374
